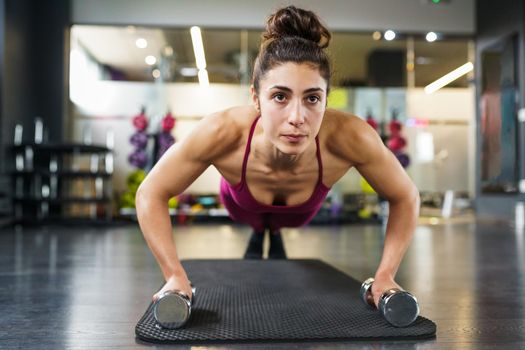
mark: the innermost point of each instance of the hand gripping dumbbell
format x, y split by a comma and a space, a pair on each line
398, 307
173, 308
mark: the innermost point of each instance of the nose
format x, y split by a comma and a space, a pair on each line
296, 116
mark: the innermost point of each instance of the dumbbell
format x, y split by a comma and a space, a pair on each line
173, 308
398, 307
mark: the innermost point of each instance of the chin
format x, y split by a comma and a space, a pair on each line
292, 150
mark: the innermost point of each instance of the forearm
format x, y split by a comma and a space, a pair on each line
400, 228
155, 223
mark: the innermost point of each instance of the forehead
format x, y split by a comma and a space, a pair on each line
294, 76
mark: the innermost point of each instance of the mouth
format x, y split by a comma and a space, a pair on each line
294, 138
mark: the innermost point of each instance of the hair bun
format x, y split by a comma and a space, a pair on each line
295, 22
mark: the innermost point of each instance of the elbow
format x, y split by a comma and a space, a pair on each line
141, 198
148, 197
414, 195
144, 197
408, 201
415, 201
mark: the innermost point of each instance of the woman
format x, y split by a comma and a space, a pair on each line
280, 156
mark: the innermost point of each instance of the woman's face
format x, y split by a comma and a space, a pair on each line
292, 102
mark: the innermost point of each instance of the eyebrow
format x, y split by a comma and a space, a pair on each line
285, 88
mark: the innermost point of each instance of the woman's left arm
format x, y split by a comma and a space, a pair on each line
378, 165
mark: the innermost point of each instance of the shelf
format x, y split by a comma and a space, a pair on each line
62, 148
61, 220
53, 169
82, 174
213, 212
54, 201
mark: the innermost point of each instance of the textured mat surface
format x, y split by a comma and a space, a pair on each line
276, 300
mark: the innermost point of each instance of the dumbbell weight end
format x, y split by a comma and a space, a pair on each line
172, 309
400, 308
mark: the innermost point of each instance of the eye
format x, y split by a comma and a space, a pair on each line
313, 99
279, 97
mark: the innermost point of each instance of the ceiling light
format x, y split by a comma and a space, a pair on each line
431, 37
150, 60
156, 73
390, 35
198, 48
141, 43
449, 77
376, 35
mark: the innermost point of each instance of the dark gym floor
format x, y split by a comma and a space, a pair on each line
86, 287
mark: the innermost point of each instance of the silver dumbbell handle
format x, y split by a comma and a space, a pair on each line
181, 293
366, 292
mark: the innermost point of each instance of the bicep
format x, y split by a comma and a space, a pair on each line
186, 160
175, 171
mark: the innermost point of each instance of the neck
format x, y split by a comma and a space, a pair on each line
273, 158
279, 160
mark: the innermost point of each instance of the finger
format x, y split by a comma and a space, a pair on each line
185, 292
156, 296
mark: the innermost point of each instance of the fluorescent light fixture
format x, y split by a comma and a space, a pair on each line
449, 77
390, 35
141, 43
431, 37
150, 60
198, 48
203, 78
189, 72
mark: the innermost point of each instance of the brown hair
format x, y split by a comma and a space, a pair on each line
293, 35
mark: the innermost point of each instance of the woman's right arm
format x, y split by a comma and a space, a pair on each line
174, 172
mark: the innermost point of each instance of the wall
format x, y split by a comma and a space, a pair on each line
4, 180
33, 67
17, 88
495, 20
455, 16
106, 105
449, 115
32, 63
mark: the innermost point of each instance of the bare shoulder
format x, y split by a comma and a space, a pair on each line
241, 117
219, 133
349, 137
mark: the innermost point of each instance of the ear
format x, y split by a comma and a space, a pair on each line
255, 99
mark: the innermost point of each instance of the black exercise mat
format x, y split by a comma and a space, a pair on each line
276, 300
